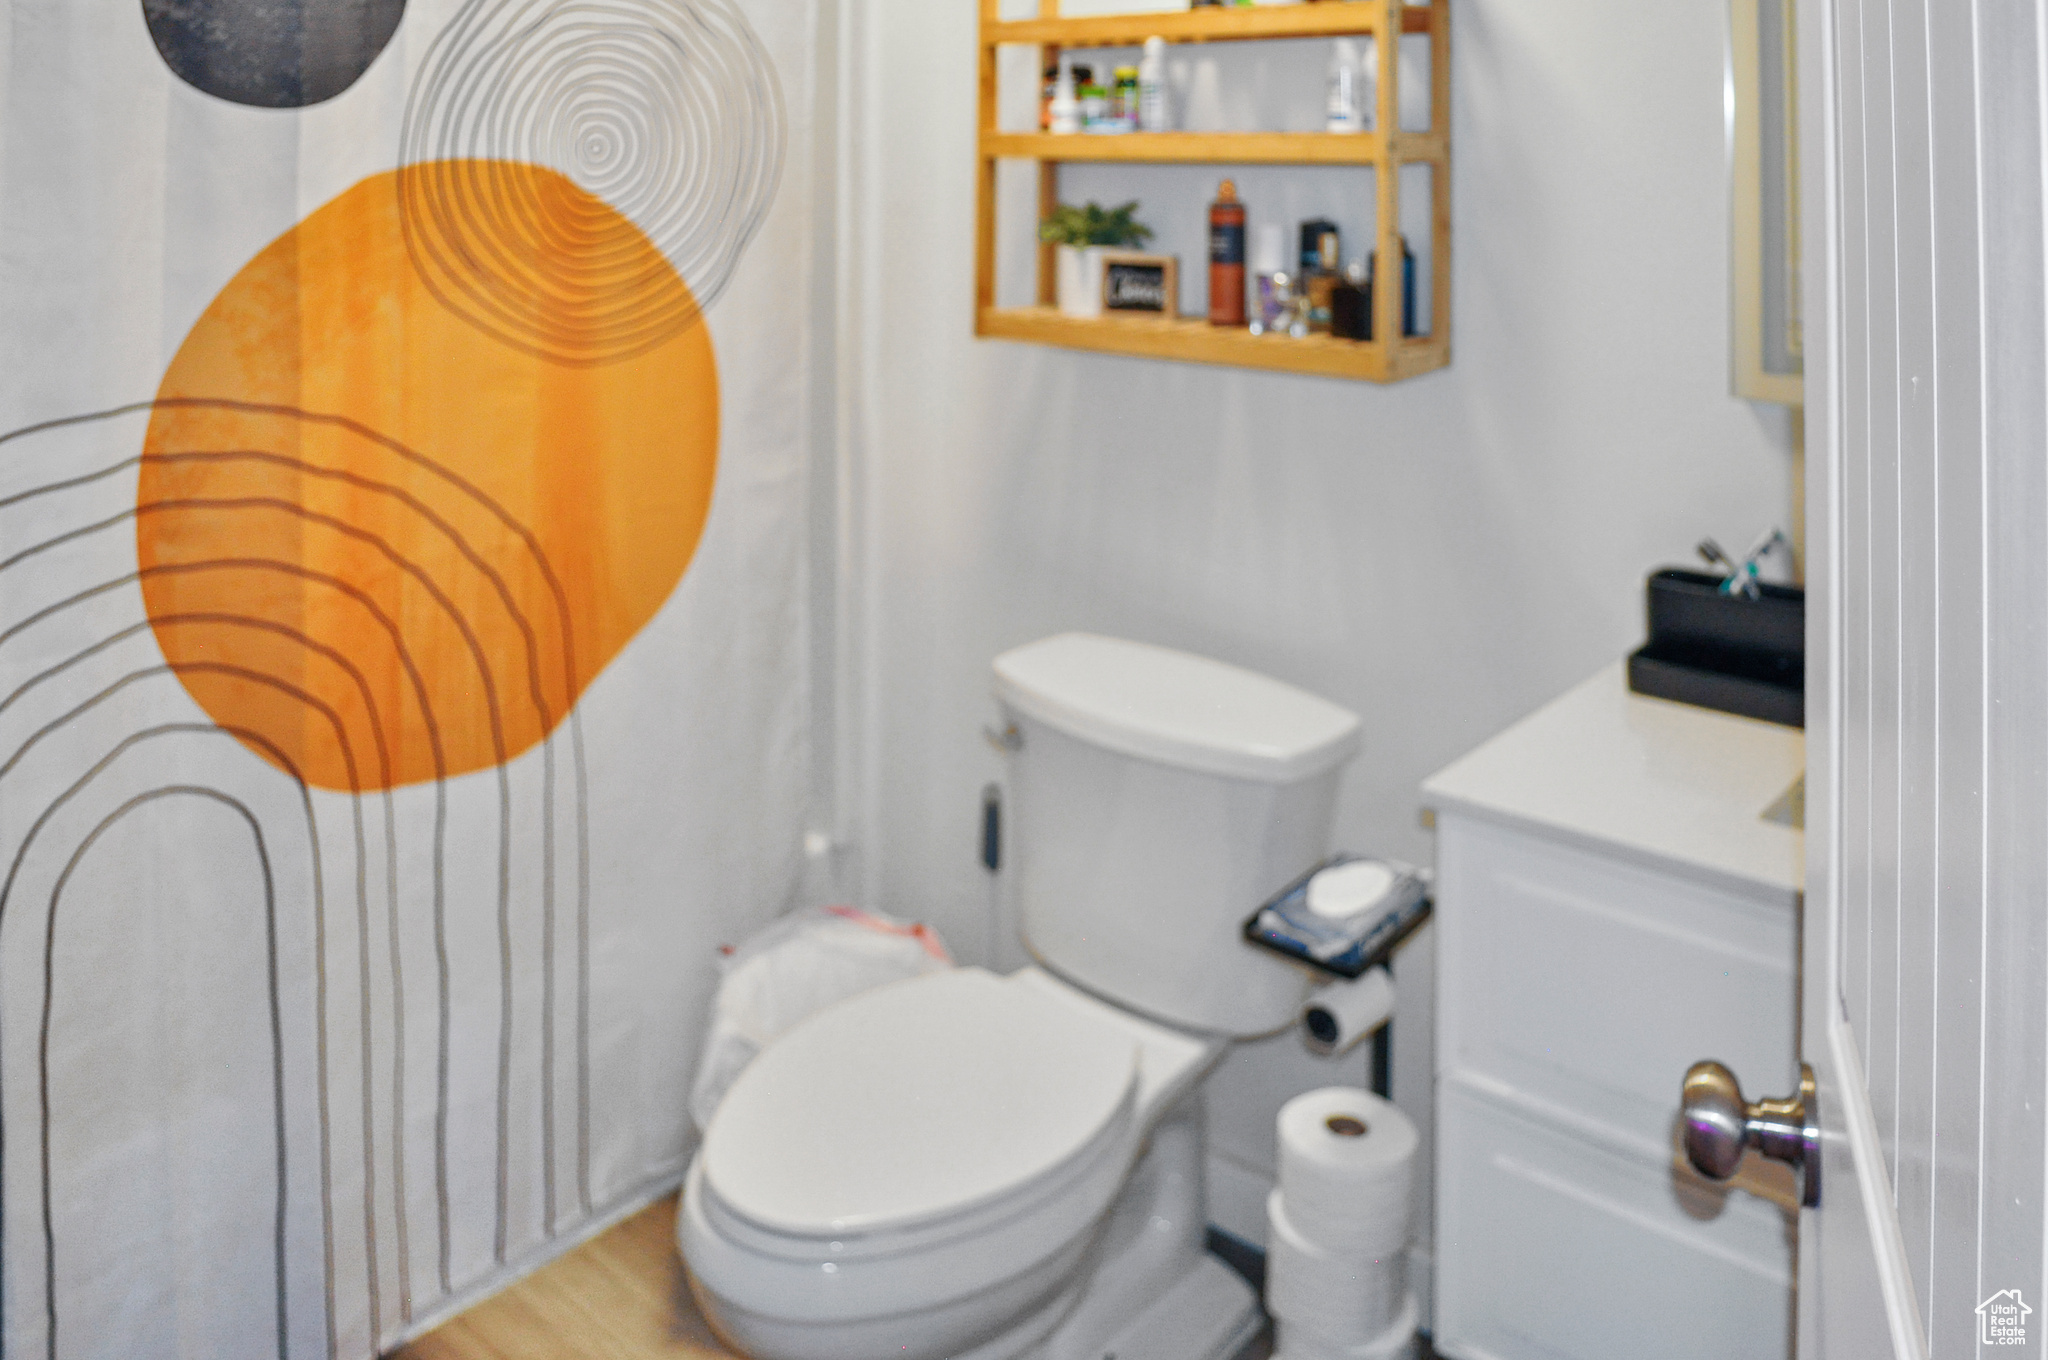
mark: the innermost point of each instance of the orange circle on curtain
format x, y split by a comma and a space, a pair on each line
389, 544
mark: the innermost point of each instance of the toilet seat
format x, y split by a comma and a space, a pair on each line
922, 1167
914, 1110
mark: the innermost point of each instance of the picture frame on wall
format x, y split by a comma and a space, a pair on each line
1136, 284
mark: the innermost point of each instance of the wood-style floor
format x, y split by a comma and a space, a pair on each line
619, 1296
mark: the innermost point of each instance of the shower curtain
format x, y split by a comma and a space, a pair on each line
402, 497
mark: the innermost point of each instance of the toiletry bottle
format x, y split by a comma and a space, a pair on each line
1311, 246
1351, 304
1094, 100
1152, 87
1320, 284
1226, 257
1049, 92
1343, 111
1407, 288
1369, 84
1271, 283
1124, 101
1065, 112
1297, 313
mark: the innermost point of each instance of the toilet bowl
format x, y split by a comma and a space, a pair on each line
925, 1171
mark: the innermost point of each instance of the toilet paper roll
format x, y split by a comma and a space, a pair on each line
1293, 1342
1347, 1158
1352, 1297
1339, 1014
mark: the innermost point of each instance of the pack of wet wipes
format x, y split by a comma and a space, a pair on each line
1345, 915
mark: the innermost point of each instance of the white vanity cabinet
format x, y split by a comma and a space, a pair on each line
1612, 906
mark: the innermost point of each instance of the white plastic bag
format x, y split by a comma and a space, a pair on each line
792, 969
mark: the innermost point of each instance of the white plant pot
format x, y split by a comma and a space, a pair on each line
1079, 278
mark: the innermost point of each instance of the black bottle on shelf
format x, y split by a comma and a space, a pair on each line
1407, 289
1312, 233
1355, 291
1351, 304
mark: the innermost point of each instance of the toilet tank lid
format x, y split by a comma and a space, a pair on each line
1176, 708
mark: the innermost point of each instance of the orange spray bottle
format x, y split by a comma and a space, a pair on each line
1226, 257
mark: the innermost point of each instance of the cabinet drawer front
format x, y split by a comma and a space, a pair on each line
1556, 1249
1592, 984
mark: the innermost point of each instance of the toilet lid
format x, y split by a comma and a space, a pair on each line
913, 1102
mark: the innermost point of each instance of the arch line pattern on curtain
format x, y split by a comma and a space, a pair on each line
86, 593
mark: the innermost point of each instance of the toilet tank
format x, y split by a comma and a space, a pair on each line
1155, 800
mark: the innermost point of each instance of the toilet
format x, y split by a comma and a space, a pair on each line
969, 1166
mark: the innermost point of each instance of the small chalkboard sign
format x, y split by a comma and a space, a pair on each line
1141, 283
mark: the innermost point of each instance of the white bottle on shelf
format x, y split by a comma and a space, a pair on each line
1152, 116
1066, 109
1345, 111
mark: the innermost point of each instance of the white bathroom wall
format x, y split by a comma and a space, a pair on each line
1441, 556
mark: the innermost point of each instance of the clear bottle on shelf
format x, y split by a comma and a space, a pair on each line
1152, 113
1344, 110
1272, 285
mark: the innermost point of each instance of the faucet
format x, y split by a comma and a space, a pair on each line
1740, 578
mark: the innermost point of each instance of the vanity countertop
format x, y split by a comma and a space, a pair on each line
1665, 783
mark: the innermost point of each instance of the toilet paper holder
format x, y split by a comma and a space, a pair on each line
1340, 1014
1357, 1000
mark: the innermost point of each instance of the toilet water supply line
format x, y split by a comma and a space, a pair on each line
1340, 1014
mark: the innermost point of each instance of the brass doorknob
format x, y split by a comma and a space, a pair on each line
1720, 1126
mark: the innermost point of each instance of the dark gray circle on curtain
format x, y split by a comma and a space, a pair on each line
271, 54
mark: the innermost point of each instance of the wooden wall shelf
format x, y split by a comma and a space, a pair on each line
1195, 340
1213, 148
1329, 19
1222, 148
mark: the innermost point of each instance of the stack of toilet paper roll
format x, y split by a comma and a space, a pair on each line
1337, 1229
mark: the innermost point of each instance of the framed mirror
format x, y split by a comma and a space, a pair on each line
1763, 132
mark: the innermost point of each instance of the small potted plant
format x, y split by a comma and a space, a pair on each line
1083, 235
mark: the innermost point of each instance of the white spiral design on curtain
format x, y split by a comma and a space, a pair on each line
667, 110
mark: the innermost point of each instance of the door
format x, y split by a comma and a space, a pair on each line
1925, 998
